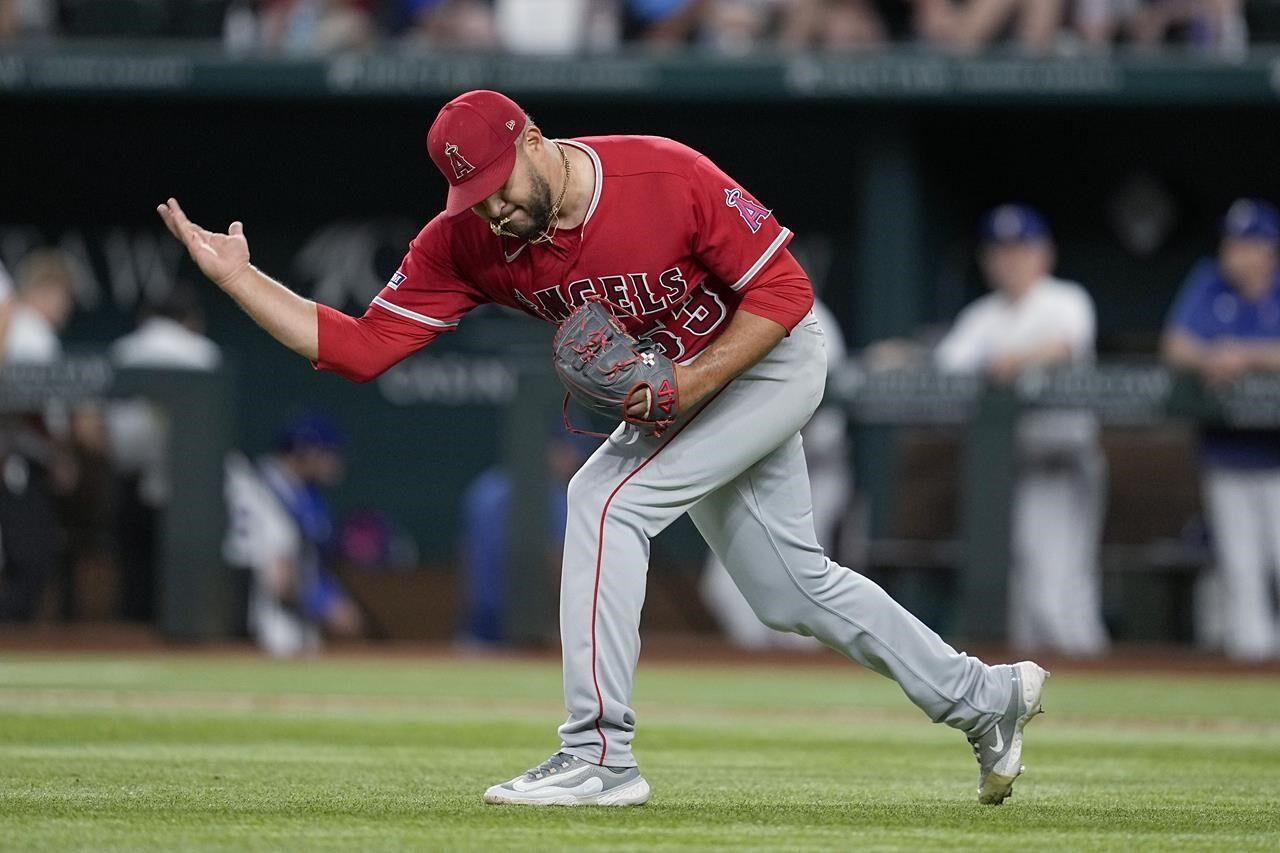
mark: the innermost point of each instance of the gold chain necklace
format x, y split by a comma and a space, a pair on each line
553, 220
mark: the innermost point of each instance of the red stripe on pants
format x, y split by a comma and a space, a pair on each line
595, 595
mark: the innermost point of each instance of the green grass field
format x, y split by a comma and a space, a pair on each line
193, 752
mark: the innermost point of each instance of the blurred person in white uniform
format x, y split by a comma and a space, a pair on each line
31, 467
826, 453
169, 336
1033, 321
42, 304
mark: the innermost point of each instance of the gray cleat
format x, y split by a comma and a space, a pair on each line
566, 780
999, 749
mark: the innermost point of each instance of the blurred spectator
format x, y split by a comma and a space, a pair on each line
663, 23
169, 336
32, 470
744, 26
1035, 321
64, 451
486, 513
564, 27
449, 24
1224, 324
737, 27
968, 26
43, 302
26, 19
826, 453
556, 27
317, 26
1210, 26
240, 27
1098, 22
850, 25
282, 531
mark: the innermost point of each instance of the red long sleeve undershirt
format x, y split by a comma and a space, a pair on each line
781, 293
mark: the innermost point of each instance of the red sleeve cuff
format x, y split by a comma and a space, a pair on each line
362, 348
781, 293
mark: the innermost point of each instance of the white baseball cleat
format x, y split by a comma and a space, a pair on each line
566, 780
999, 749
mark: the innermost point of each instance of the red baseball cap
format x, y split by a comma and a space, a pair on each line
473, 144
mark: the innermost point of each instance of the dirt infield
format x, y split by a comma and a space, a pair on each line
689, 649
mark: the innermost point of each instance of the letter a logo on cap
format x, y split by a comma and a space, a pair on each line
461, 168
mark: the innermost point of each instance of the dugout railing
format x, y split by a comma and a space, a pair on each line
193, 594
1128, 396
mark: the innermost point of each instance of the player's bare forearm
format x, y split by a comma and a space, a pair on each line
286, 316
224, 259
748, 339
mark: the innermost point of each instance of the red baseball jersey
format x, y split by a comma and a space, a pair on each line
668, 236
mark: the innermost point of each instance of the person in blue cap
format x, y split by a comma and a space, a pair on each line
1034, 321
282, 529
1226, 323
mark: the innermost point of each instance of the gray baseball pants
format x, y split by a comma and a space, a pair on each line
737, 467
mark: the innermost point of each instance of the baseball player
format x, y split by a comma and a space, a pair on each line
702, 270
1225, 324
1033, 321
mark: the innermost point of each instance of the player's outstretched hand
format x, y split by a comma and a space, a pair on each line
221, 257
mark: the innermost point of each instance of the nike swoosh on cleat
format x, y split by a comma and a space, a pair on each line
557, 780
999, 741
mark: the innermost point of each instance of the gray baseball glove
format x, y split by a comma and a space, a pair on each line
605, 369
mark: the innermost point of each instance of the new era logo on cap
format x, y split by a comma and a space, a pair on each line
473, 143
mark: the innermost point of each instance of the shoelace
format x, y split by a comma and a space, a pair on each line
559, 761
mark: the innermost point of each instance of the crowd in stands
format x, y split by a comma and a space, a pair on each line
316, 27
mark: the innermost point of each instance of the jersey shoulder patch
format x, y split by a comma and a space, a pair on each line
753, 213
